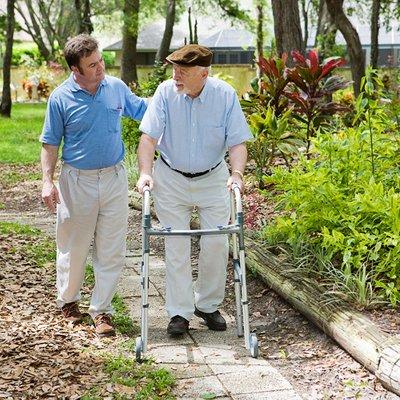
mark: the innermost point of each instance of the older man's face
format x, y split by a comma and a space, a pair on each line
188, 80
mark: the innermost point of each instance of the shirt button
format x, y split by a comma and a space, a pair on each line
194, 124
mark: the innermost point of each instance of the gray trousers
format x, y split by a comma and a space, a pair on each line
94, 206
175, 197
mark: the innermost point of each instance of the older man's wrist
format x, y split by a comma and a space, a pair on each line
238, 172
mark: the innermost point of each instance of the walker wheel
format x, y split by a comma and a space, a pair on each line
138, 349
253, 345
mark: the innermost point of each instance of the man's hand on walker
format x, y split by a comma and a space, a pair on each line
50, 196
235, 179
144, 180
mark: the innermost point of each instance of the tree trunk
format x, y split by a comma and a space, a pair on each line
325, 38
376, 5
165, 44
83, 17
287, 26
34, 30
260, 30
5, 105
129, 40
87, 22
78, 9
305, 22
357, 58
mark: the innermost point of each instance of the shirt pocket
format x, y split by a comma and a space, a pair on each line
214, 138
114, 119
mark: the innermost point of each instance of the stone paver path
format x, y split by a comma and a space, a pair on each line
207, 364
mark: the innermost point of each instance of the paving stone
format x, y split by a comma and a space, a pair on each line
176, 354
260, 378
196, 388
225, 355
245, 366
131, 286
181, 371
276, 395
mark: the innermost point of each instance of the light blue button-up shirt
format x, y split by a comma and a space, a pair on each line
90, 125
194, 134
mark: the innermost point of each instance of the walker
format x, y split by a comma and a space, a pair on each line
236, 230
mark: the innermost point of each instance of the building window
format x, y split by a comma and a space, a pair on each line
234, 58
221, 58
246, 57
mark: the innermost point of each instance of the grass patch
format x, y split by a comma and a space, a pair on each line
122, 320
11, 178
13, 228
2, 206
30, 242
130, 380
20, 134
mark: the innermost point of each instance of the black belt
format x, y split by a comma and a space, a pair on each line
188, 174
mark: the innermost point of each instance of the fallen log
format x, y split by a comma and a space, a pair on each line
353, 331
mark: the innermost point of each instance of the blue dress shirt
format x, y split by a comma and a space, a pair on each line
194, 134
90, 125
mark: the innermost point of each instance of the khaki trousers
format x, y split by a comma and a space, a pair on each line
94, 206
175, 196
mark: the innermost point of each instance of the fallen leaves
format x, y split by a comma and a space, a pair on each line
41, 356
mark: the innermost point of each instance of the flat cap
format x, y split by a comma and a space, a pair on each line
191, 55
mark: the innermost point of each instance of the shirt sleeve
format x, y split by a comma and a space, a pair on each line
135, 106
53, 128
237, 130
153, 122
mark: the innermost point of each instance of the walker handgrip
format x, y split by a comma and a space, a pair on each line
237, 196
146, 200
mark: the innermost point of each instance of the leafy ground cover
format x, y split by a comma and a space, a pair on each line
42, 356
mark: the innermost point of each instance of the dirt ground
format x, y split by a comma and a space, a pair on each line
313, 363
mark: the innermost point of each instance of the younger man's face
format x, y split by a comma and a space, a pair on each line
91, 68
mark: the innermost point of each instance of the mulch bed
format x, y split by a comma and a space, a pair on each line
41, 356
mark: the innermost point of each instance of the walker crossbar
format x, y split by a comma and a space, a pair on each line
235, 229
228, 229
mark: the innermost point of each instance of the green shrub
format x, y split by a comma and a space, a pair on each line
109, 58
345, 202
21, 55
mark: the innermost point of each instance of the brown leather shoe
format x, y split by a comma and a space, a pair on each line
103, 325
178, 326
71, 312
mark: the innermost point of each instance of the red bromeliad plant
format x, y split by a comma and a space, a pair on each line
311, 88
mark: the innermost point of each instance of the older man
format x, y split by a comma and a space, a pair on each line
84, 113
192, 120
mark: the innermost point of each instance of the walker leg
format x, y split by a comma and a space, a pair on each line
141, 341
238, 297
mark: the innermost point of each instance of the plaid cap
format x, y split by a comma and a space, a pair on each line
191, 55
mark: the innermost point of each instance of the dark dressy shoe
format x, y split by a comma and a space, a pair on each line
71, 313
215, 321
178, 326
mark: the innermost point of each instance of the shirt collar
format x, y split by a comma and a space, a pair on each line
76, 88
202, 95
